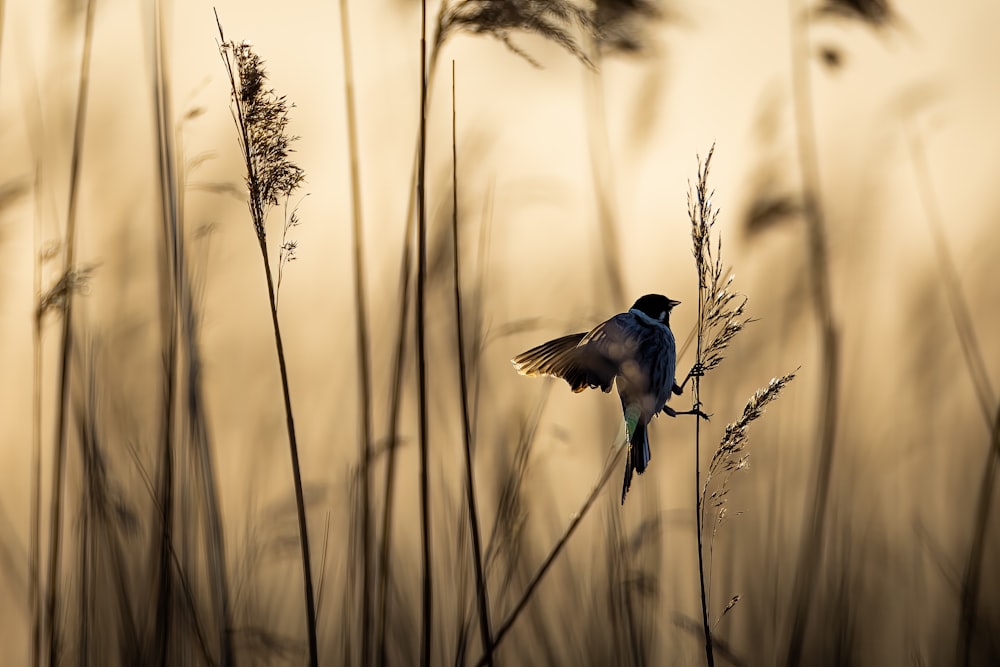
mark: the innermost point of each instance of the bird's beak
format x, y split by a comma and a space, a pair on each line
674, 303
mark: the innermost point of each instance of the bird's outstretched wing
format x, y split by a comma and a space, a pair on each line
584, 359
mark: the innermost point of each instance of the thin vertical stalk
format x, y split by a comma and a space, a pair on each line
300, 503
198, 437
86, 546
700, 265
577, 518
206, 471
972, 353
34, 548
706, 627
427, 602
976, 366
470, 489
259, 193
395, 402
62, 413
169, 315
972, 576
814, 520
364, 372
709, 655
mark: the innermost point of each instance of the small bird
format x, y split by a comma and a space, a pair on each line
635, 350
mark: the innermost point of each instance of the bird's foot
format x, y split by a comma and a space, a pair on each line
697, 371
693, 411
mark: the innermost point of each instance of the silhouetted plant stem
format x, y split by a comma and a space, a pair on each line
183, 406
814, 519
198, 437
261, 120
300, 503
169, 320
395, 403
187, 595
501, 632
427, 606
361, 318
62, 404
448, 21
974, 566
976, 366
399, 358
198, 433
35, 540
470, 489
699, 525
972, 353
706, 627
702, 218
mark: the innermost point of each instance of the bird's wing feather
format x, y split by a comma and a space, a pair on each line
543, 359
583, 360
613, 340
555, 358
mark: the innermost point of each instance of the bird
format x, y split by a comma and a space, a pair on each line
635, 351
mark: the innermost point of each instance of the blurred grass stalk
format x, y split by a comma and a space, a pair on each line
396, 390
399, 355
975, 364
477, 17
814, 518
470, 489
363, 340
34, 521
427, 601
182, 420
610, 465
171, 267
51, 624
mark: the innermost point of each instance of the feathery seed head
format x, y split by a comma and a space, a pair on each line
261, 116
554, 20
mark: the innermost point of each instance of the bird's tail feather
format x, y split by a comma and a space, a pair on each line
638, 454
640, 449
628, 474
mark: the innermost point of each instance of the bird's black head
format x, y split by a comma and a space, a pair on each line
656, 306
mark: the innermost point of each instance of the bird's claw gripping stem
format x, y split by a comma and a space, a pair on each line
697, 371
693, 411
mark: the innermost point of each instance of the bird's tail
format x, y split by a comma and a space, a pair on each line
638, 454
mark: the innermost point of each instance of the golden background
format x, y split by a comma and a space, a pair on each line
572, 190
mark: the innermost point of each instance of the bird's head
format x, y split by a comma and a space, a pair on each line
656, 307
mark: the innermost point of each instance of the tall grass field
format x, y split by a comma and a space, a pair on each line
264, 267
